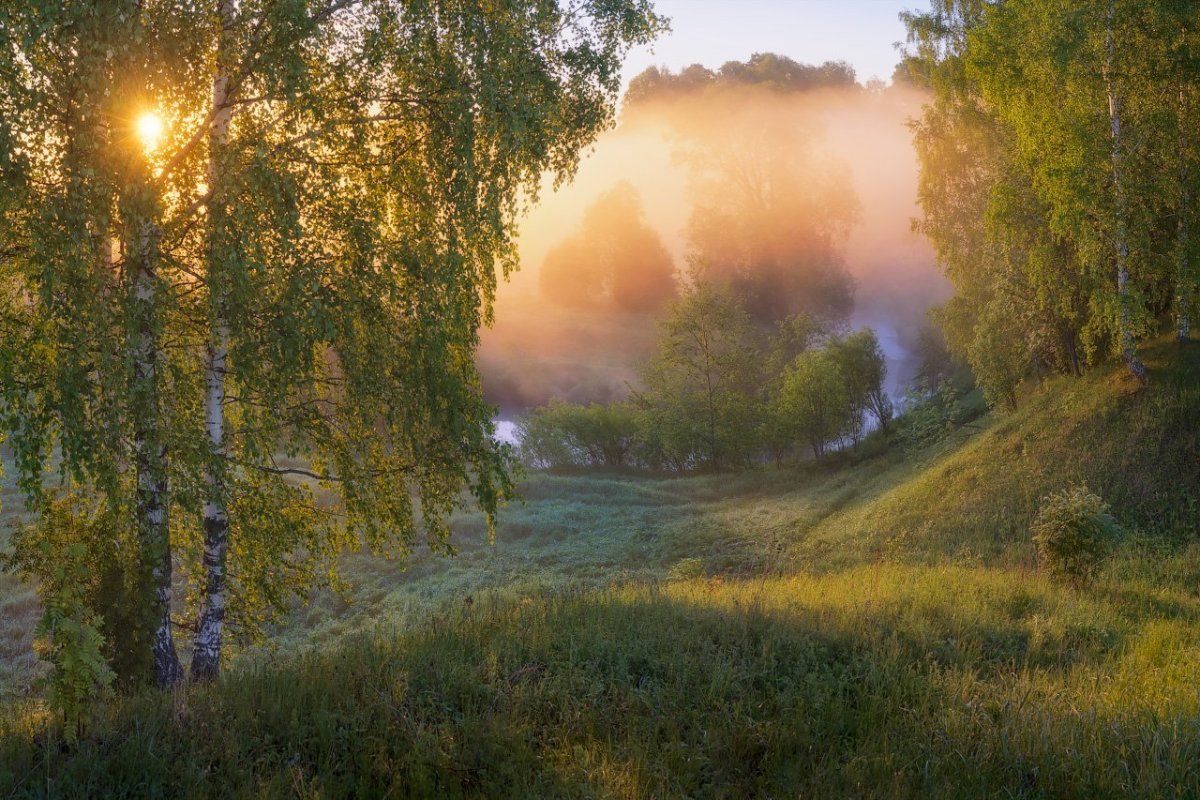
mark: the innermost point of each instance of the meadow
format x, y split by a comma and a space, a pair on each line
875, 628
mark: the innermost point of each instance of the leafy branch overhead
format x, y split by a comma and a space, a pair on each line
250, 341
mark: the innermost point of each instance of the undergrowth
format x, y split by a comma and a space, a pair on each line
879, 630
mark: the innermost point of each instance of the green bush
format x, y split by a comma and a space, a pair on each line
564, 435
687, 569
69, 638
930, 415
1074, 533
85, 565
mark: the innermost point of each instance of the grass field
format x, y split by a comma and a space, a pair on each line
879, 629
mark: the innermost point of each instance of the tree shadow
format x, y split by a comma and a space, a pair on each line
696, 690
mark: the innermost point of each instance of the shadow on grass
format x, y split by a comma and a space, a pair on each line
696, 690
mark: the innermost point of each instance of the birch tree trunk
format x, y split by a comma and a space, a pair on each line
1125, 322
1183, 321
150, 455
206, 649
1183, 279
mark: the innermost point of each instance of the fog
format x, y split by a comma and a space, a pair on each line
857, 138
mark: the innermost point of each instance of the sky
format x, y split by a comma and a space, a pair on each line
711, 32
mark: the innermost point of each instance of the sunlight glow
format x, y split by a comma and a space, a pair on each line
150, 130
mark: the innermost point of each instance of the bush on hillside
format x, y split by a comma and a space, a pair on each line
1074, 533
687, 569
932, 415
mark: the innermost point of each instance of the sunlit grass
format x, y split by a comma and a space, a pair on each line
877, 681
878, 630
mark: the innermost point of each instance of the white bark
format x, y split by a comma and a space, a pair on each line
206, 649
149, 453
1183, 280
1124, 299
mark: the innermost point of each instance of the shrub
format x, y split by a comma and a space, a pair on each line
687, 569
69, 638
1074, 533
931, 415
563, 435
88, 573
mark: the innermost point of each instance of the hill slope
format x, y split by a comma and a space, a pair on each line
875, 631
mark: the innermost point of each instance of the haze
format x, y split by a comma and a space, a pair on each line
538, 350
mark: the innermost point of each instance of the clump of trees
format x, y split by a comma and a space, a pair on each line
614, 262
722, 394
563, 434
1058, 178
768, 70
830, 394
771, 206
279, 296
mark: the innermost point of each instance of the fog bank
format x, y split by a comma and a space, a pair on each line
537, 349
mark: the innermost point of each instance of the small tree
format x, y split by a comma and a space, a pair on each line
999, 357
930, 415
863, 367
701, 386
1074, 533
80, 586
815, 401
792, 336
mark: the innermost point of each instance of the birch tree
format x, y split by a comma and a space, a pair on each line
1113, 91
252, 338
220, 248
1057, 177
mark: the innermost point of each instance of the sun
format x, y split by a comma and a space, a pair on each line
150, 130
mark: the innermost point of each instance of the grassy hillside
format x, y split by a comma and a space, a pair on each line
875, 630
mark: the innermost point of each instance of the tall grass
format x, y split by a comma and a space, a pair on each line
875, 631
882, 681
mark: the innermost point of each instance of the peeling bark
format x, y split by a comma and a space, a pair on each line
150, 458
206, 648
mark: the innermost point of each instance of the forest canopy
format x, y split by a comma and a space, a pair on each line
1059, 177
768, 70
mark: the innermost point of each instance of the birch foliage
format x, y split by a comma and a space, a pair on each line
341, 241
1057, 177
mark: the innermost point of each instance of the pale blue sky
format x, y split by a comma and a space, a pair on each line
711, 32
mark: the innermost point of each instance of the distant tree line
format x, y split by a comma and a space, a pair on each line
722, 393
1059, 176
771, 71
771, 207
